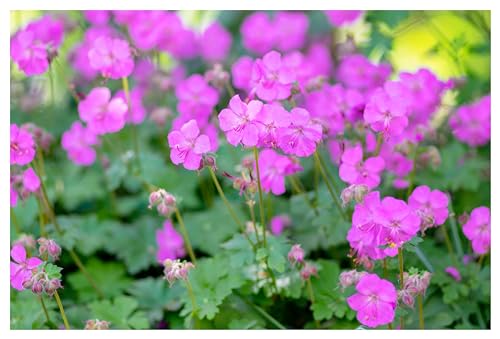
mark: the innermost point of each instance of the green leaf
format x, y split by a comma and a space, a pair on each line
53, 271
239, 251
278, 249
110, 277
122, 313
26, 312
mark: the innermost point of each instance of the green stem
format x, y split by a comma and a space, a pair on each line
230, 89
194, 306
384, 266
134, 127
420, 302
380, 141
61, 309
262, 312
44, 309
229, 207
454, 230
424, 259
401, 282
185, 235
13, 217
411, 177
310, 291
41, 219
112, 195
333, 194
448, 245
250, 204
261, 199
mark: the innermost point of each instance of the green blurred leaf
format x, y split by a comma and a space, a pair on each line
122, 313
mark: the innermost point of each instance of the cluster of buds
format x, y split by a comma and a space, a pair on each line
23, 183
217, 76
176, 270
25, 240
40, 282
414, 283
96, 324
41, 136
363, 260
350, 278
243, 184
296, 258
165, 202
356, 192
50, 247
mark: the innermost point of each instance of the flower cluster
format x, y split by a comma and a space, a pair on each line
414, 283
165, 202
176, 270
296, 257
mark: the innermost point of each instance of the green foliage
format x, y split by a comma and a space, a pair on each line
122, 313
27, 312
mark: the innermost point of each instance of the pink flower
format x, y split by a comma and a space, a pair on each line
386, 110
188, 146
354, 170
296, 255
97, 18
112, 57
453, 272
196, 97
21, 268
375, 301
31, 182
29, 55
399, 220
239, 122
478, 229
301, 136
241, 72
290, 30
472, 123
170, 243
257, 33
270, 118
138, 113
356, 71
271, 80
430, 206
341, 18
78, 142
215, 43
101, 113
273, 169
22, 146
13, 196
279, 223
146, 28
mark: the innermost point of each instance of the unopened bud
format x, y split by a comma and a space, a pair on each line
308, 271
349, 278
96, 324
296, 255
52, 286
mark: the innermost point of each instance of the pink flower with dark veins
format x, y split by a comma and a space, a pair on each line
187, 145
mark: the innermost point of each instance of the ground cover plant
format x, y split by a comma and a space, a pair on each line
250, 170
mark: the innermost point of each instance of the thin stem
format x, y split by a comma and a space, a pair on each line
261, 199
185, 235
44, 309
423, 259
310, 291
329, 187
112, 195
298, 190
401, 270
250, 204
420, 302
51, 83
384, 266
13, 217
230, 89
411, 177
454, 230
380, 141
228, 206
262, 312
194, 306
135, 137
41, 219
448, 244
87, 275
61, 309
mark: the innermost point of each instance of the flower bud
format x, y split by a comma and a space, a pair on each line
52, 286
96, 324
159, 116
50, 247
349, 278
308, 271
347, 195
175, 270
407, 298
38, 286
217, 76
296, 255
454, 273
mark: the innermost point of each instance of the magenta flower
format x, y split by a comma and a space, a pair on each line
146, 28
278, 223
239, 122
271, 80
78, 142
31, 182
472, 123
22, 146
102, 113
430, 206
386, 110
187, 146
196, 97
273, 169
97, 18
215, 43
354, 170
241, 73
356, 71
375, 301
252, 33
301, 136
170, 243
341, 18
478, 229
399, 220
453, 272
270, 118
290, 30
112, 57
21, 268
138, 113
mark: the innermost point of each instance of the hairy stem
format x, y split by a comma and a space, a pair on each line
185, 235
